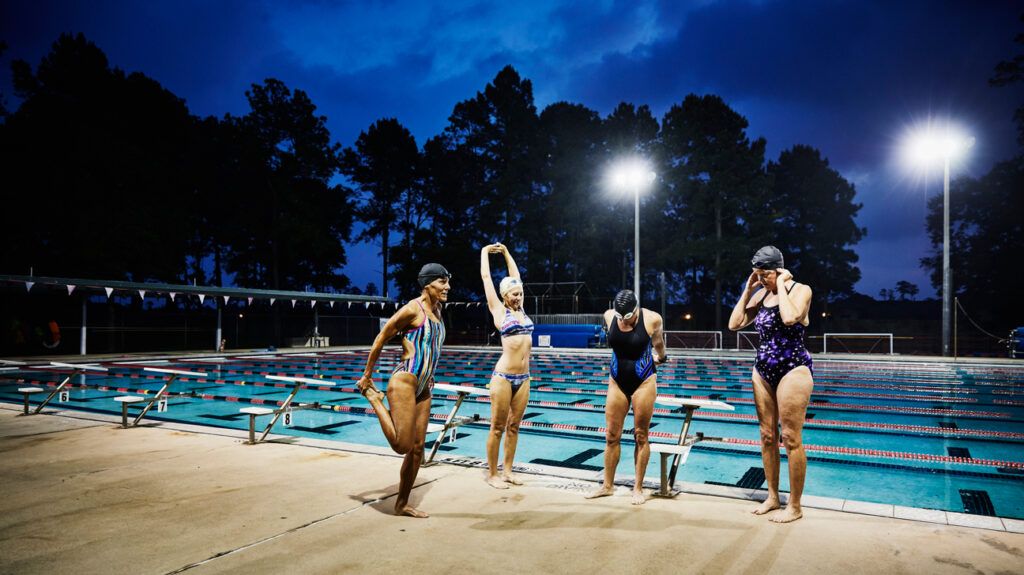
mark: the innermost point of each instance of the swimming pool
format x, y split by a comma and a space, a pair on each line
913, 433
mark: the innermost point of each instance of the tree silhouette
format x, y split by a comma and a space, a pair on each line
384, 164
718, 192
814, 210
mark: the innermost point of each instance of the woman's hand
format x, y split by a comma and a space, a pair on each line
753, 281
499, 248
365, 383
784, 276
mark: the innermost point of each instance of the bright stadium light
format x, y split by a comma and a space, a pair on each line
925, 147
633, 175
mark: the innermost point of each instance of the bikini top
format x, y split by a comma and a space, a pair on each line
511, 325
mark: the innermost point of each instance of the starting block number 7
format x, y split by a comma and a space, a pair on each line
161, 406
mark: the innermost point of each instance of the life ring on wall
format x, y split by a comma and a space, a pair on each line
54, 340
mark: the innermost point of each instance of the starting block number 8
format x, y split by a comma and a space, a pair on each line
287, 416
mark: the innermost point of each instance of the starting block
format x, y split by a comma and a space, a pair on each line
679, 452
452, 422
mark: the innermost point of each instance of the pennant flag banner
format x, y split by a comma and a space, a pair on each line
142, 293
71, 288
250, 301
332, 304
172, 294
367, 305
202, 298
109, 291
313, 304
272, 300
293, 304
28, 286
349, 305
226, 298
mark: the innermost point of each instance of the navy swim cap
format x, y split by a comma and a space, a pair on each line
625, 302
767, 258
431, 272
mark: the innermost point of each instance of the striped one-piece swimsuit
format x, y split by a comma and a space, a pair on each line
426, 343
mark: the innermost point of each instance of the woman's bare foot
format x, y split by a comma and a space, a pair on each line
509, 478
639, 498
787, 515
603, 491
769, 504
496, 482
410, 511
373, 394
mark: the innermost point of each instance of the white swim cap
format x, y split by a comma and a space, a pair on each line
508, 284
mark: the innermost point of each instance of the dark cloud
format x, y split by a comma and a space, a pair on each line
843, 76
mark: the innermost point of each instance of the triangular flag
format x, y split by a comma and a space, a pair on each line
272, 300
142, 293
28, 286
367, 305
313, 304
71, 288
202, 298
349, 305
381, 305
293, 304
109, 291
172, 294
332, 304
250, 301
226, 298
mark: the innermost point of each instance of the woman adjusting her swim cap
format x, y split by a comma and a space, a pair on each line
782, 376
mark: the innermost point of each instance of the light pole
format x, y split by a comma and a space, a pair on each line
925, 147
633, 175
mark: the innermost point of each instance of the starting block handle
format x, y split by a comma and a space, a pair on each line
447, 426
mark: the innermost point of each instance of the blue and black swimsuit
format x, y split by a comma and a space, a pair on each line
632, 359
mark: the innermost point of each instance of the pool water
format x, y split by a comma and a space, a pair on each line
921, 434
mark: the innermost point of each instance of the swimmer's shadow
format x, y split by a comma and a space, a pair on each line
383, 499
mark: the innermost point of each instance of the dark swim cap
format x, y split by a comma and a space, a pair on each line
431, 272
767, 258
625, 302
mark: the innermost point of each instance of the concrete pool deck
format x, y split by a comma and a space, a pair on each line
84, 496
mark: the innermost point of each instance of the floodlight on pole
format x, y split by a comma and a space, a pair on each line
633, 175
923, 148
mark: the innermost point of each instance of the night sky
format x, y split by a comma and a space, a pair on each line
847, 77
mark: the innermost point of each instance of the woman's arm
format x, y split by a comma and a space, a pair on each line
494, 302
513, 269
657, 336
398, 323
743, 313
793, 307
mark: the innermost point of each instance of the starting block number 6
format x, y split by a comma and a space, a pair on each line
64, 396
287, 417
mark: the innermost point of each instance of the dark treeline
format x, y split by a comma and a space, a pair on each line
109, 175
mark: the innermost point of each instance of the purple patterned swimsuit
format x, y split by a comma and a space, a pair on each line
781, 348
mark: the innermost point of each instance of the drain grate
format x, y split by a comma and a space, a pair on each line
977, 502
752, 479
958, 452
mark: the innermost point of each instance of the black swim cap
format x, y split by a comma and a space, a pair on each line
431, 272
625, 302
767, 258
